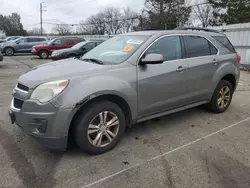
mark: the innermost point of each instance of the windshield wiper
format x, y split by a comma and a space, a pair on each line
99, 62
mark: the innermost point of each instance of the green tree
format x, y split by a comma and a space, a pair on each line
166, 14
12, 25
230, 11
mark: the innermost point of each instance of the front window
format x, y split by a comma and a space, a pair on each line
21, 40
79, 45
116, 50
169, 47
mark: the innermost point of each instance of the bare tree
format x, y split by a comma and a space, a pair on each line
94, 25
35, 31
62, 29
110, 21
130, 20
203, 13
113, 19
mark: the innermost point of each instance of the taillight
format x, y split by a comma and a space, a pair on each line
238, 59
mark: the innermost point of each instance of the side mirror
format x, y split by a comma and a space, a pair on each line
17, 42
53, 44
83, 49
152, 59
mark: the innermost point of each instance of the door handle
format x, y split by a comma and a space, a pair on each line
215, 62
181, 69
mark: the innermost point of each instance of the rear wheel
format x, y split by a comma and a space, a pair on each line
9, 51
222, 97
43, 54
100, 127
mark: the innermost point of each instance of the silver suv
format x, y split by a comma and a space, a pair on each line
22, 45
128, 79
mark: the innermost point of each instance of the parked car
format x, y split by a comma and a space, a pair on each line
22, 45
2, 41
128, 79
11, 38
76, 51
44, 51
1, 56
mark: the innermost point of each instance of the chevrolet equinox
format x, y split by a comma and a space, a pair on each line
128, 79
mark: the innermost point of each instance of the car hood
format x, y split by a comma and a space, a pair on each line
40, 45
60, 70
9, 43
64, 50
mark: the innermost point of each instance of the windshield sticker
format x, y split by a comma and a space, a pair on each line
132, 41
127, 49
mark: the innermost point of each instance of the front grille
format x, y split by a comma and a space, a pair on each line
17, 103
22, 87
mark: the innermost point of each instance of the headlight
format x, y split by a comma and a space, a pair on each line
47, 91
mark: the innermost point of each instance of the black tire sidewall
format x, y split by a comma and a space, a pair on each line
214, 102
82, 123
10, 49
43, 51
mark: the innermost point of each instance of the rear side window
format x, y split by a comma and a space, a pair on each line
32, 40
223, 40
70, 42
41, 39
196, 46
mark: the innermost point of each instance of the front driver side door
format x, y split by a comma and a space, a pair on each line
21, 45
162, 87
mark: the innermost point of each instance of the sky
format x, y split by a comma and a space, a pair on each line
61, 11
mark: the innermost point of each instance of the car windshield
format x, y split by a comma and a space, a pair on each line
51, 42
18, 39
116, 50
79, 45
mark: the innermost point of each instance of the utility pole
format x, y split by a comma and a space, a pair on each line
41, 17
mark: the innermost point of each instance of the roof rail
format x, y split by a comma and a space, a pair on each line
197, 29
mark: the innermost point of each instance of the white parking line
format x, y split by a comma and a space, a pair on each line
165, 154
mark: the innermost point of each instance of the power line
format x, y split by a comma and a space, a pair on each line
32, 25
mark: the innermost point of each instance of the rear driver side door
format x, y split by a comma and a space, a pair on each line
162, 87
201, 57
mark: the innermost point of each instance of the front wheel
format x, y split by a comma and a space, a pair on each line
100, 127
44, 54
222, 97
9, 51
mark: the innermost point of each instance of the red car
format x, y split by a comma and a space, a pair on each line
45, 50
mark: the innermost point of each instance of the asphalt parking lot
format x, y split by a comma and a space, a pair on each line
189, 149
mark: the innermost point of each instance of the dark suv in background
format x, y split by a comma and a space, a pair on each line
76, 51
44, 51
22, 45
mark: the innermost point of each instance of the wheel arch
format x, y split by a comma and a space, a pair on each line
117, 99
9, 47
230, 78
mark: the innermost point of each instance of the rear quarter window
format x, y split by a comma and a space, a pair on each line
224, 41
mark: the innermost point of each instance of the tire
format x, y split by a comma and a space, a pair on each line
215, 104
90, 115
44, 54
9, 51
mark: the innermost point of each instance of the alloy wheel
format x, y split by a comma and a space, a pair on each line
103, 129
224, 97
9, 51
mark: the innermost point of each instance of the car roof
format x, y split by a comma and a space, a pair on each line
170, 32
33, 37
